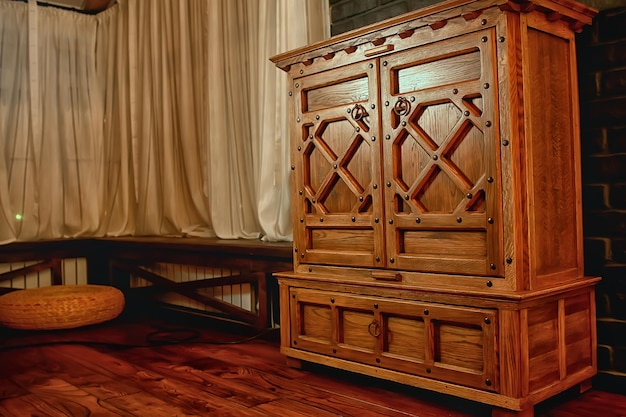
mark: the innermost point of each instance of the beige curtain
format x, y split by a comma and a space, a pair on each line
169, 119
51, 140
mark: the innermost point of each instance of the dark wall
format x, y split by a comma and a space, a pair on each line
602, 81
602, 78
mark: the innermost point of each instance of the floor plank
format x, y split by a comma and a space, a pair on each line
113, 372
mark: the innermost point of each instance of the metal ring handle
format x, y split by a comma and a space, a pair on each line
358, 112
402, 106
374, 328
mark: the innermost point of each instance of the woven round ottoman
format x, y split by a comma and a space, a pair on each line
60, 307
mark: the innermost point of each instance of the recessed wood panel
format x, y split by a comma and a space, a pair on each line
316, 322
440, 70
354, 329
459, 345
342, 92
452, 243
543, 341
342, 240
553, 156
405, 337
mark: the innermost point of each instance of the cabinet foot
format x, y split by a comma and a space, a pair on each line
585, 386
294, 363
502, 412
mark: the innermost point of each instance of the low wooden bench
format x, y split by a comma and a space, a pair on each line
116, 261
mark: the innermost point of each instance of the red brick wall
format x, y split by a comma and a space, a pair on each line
602, 79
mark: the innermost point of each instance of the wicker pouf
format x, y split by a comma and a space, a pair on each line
60, 307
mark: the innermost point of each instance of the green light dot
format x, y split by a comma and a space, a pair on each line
18, 217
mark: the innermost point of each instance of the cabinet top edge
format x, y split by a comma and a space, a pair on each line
574, 13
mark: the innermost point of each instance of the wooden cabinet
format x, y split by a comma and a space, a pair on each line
437, 203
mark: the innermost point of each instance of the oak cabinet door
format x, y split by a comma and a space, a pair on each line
336, 154
439, 120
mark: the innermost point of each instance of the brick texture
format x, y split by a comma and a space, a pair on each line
602, 78
601, 60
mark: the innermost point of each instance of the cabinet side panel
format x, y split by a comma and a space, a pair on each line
553, 198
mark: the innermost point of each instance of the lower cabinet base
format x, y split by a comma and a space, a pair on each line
510, 353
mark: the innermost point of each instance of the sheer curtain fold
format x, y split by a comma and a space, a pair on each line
158, 118
51, 177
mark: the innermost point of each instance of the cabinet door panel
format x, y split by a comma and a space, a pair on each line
442, 196
337, 168
450, 343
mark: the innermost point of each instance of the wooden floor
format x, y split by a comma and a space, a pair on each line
206, 377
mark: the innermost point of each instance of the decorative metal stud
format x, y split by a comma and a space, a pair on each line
418, 220
412, 98
335, 166
483, 39
317, 117
483, 22
290, 94
321, 219
466, 113
403, 124
300, 192
301, 71
459, 219
509, 260
468, 195
406, 197
392, 260
426, 312
489, 284
435, 157
490, 220
376, 220
428, 370
373, 138
385, 63
492, 266
455, 91
371, 65
299, 148
301, 221
378, 259
310, 136
358, 129
488, 123
360, 198
387, 137
487, 320
390, 221
297, 85
375, 186
386, 103
298, 120
293, 167
373, 106
353, 219
388, 183
488, 382
501, 39
489, 180
505, 142
486, 86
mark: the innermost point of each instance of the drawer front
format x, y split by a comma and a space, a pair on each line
449, 343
